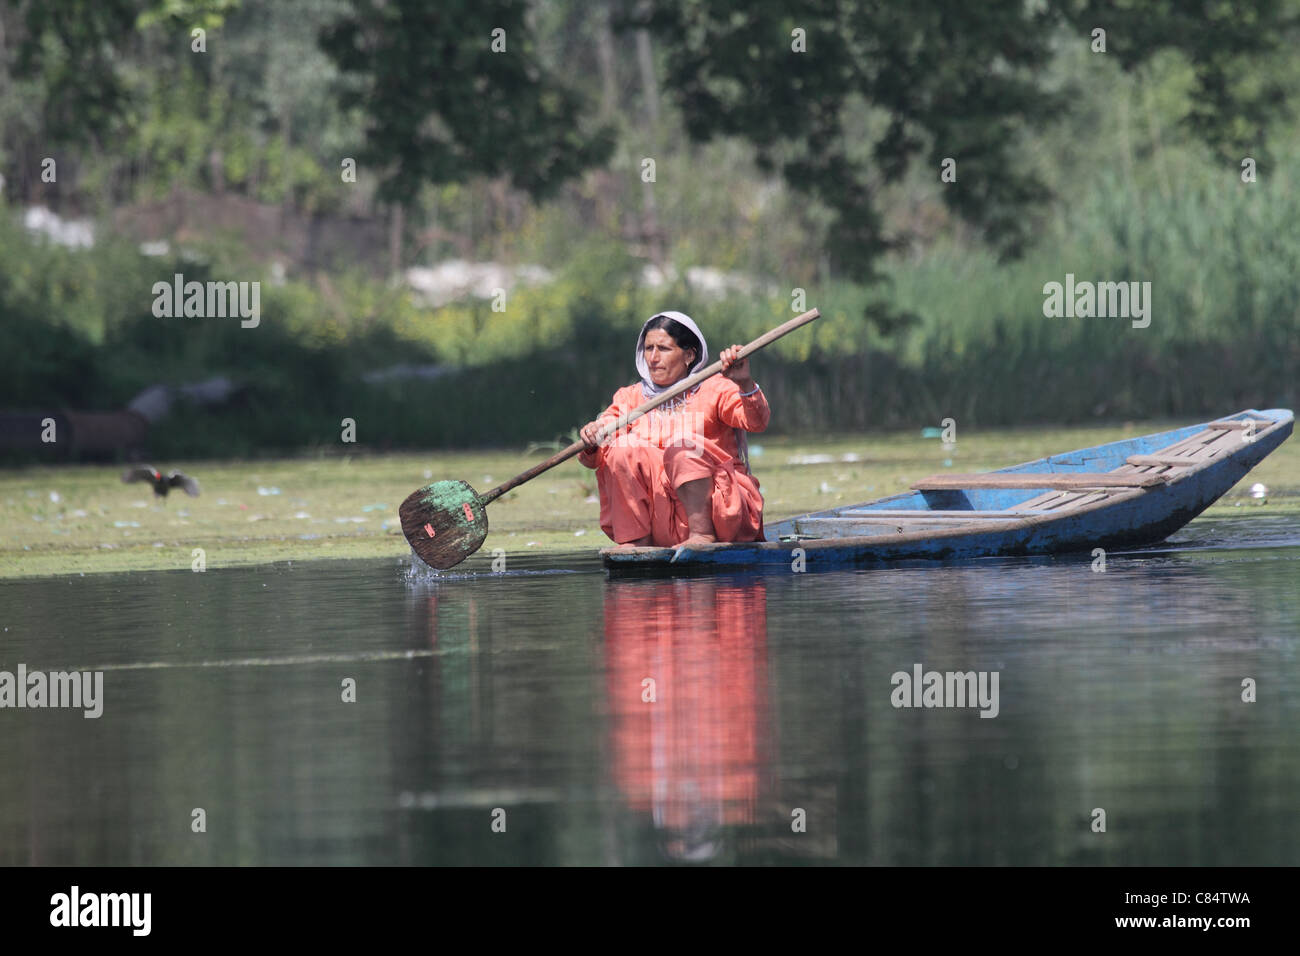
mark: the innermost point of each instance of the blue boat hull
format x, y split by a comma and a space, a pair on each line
848, 539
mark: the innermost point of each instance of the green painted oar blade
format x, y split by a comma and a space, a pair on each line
445, 522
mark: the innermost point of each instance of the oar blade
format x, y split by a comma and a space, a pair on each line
445, 523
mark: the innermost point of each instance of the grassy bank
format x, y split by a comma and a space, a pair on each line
82, 520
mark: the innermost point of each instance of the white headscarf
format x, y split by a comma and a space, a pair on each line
649, 389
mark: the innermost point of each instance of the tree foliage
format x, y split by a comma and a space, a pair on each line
945, 78
78, 49
883, 90
441, 105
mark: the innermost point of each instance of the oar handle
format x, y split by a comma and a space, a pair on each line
684, 385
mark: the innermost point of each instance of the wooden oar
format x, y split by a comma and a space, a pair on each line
447, 520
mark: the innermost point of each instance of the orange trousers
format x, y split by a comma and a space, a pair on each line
638, 484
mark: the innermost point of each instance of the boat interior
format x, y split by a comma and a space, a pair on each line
1049, 486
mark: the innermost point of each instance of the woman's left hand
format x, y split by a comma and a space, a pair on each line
737, 371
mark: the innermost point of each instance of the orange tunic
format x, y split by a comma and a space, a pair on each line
639, 469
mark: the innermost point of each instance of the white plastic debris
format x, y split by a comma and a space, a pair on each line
457, 278
73, 233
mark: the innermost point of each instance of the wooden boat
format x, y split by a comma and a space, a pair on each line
1123, 494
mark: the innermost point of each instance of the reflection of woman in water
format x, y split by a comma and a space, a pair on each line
680, 474
692, 756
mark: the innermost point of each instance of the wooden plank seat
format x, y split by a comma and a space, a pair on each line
1164, 461
826, 527
895, 514
931, 524
847, 524
1057, 480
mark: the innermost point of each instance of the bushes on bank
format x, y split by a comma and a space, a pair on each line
951, 333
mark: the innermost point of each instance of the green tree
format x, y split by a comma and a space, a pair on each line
442, 105
937, 79
77, 49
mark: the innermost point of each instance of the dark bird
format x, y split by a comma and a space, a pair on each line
162, 485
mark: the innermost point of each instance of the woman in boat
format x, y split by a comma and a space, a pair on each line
680, 474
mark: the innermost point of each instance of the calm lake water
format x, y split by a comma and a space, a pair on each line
507, 718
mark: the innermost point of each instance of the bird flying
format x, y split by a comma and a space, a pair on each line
161, 484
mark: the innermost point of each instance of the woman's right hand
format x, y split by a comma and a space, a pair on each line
588, 434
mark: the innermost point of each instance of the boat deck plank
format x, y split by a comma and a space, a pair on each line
893, 513
1163, 461
1059, 480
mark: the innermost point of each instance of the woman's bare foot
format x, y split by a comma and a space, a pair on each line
638, 543
696, 498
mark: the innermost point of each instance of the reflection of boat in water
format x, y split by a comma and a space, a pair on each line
687, 692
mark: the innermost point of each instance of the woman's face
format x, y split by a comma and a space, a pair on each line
668, 362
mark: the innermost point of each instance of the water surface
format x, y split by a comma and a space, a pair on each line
521, 700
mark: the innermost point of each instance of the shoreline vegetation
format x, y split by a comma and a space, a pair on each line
231, 184
67, 521
957, 333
